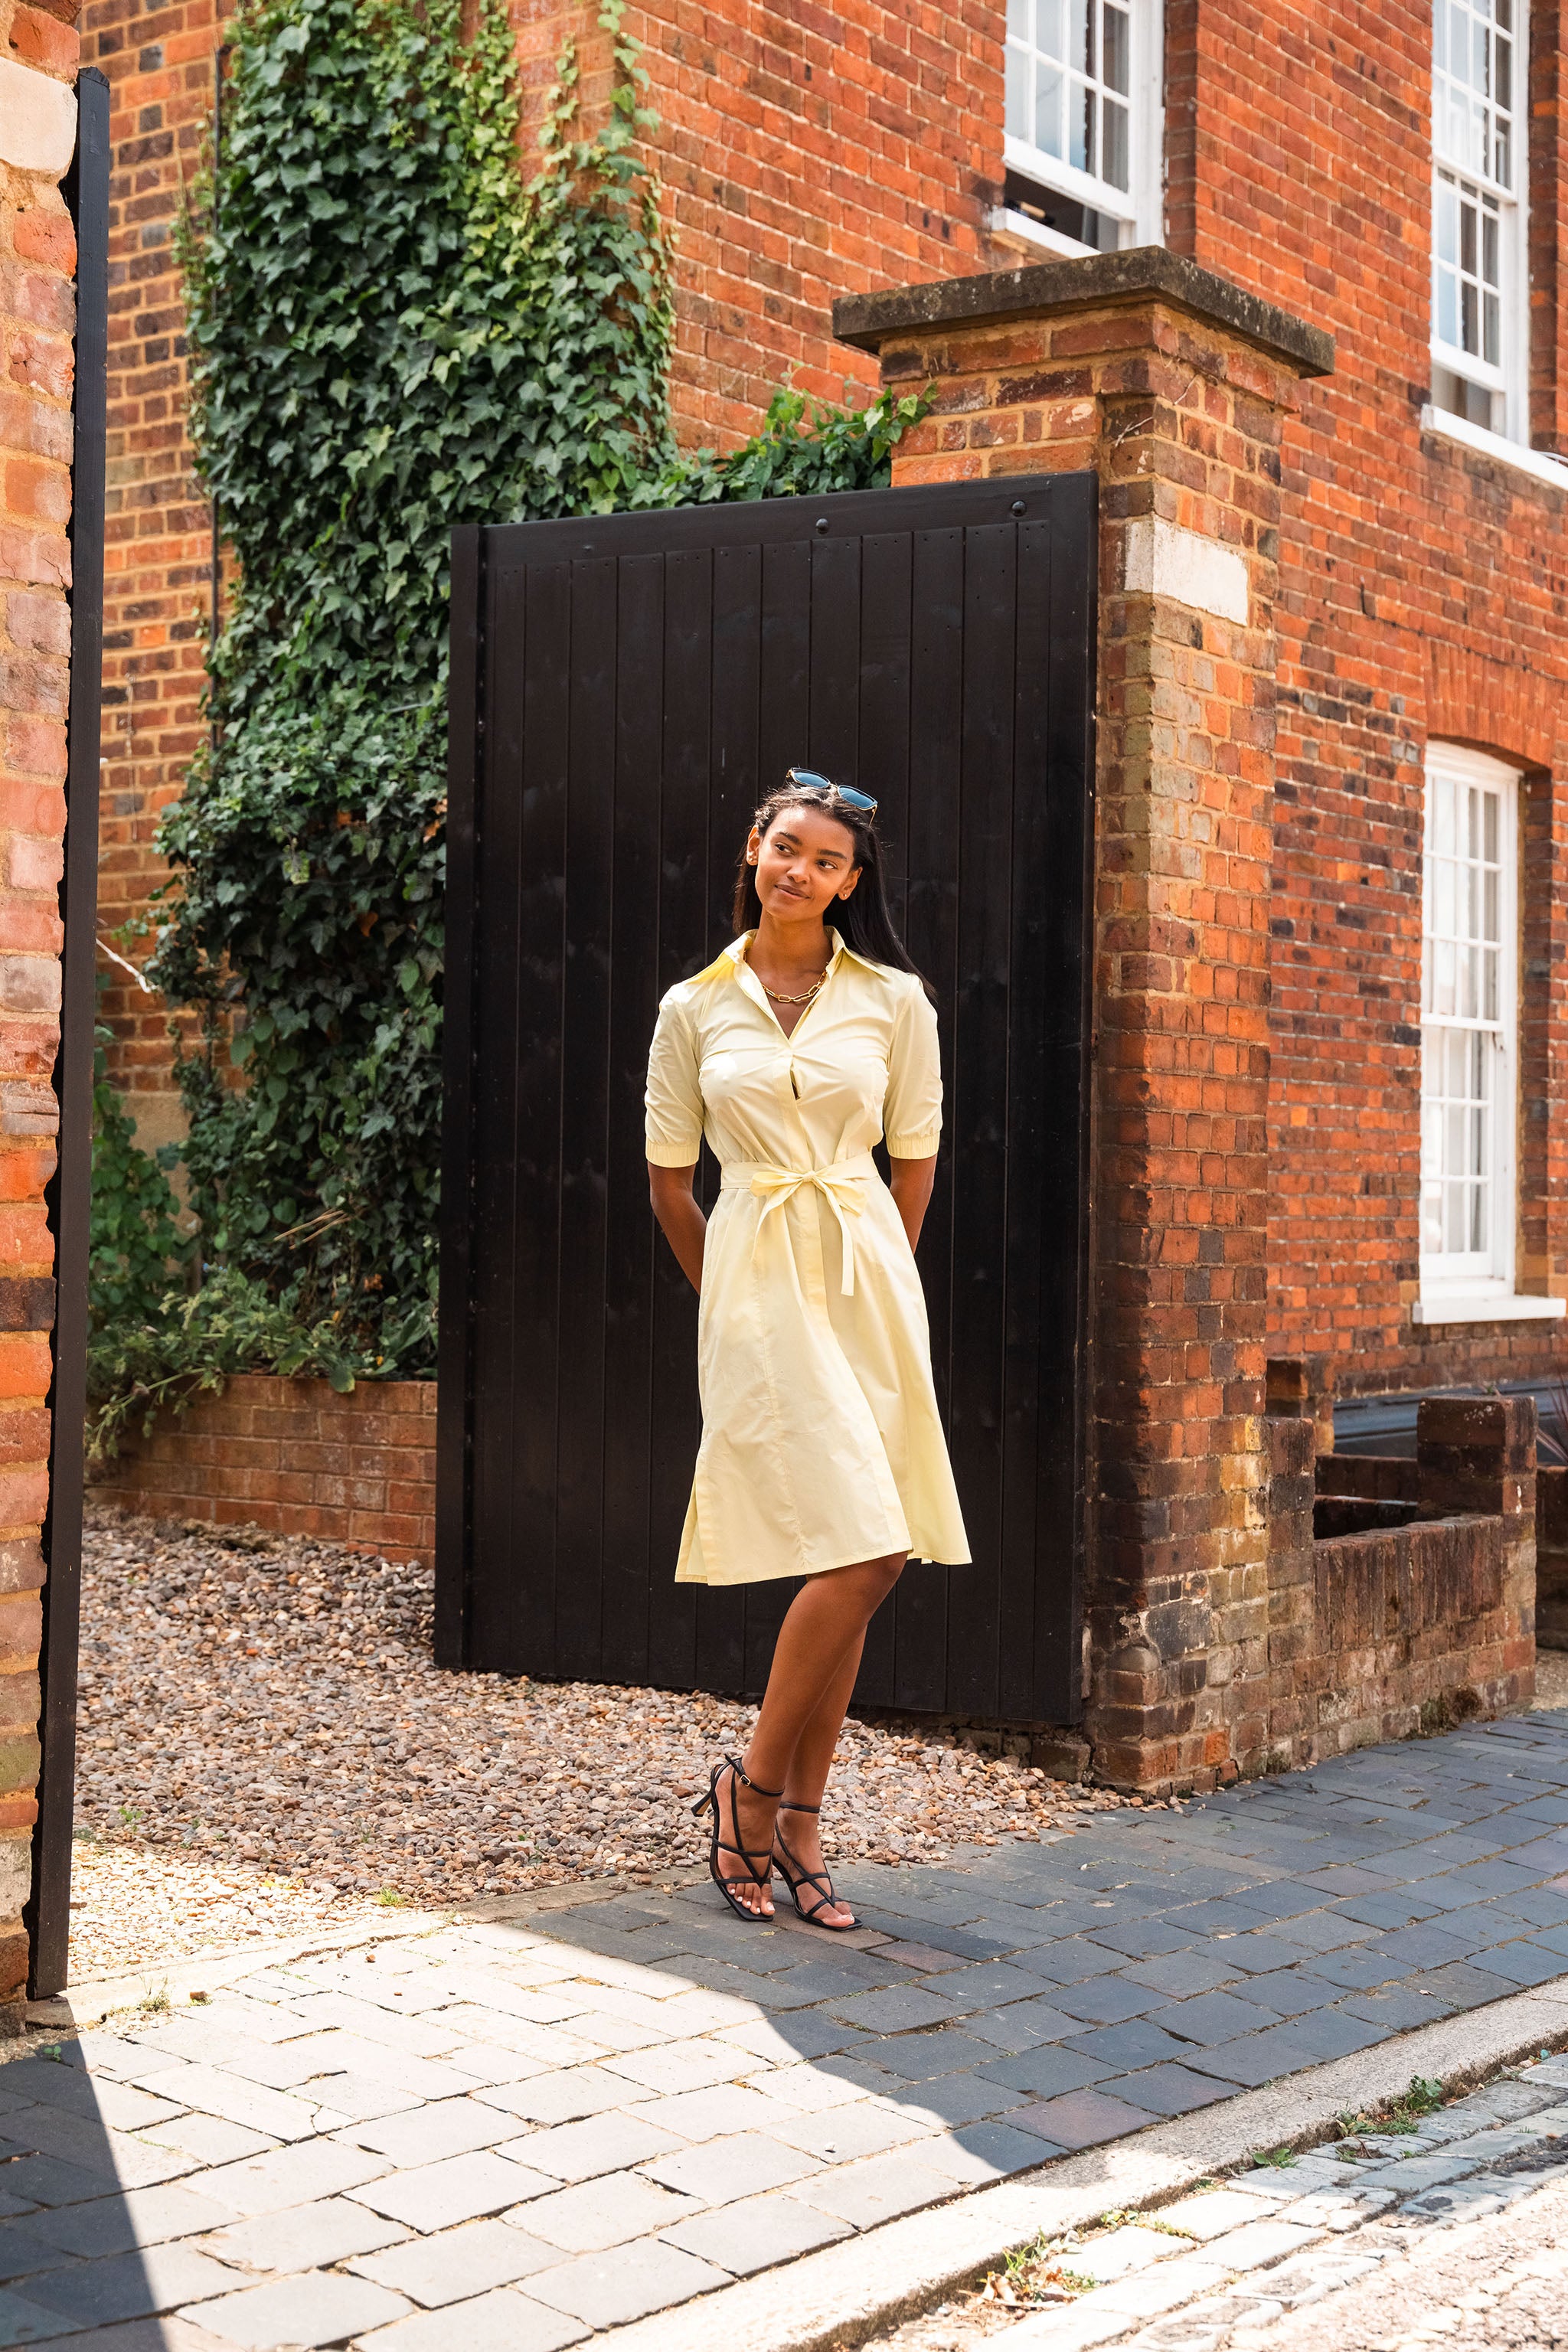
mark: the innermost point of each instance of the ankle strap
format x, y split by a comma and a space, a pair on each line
787, 1805
746, 1781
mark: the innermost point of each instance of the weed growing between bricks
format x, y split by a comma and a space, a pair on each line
265, 1743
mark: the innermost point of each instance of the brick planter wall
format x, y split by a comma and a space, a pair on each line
1375, 1636
296, 1457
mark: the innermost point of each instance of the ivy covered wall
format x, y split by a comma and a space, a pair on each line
391, 332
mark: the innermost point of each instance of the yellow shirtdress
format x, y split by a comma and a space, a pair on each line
821, 1442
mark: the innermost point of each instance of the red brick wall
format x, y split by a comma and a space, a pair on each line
808, 153
804, 154
158, 556
37, 259
1421, 593
296, 1457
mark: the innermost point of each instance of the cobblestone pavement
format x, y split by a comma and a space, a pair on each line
519, 2134
1454, 2234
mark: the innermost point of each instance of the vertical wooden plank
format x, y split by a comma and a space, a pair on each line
536, 1140
785, 730
981, 1109
726, 1635
454, 1395
684, 938
835, 681
490, 1636
585, 1120
1063, 1191
883, 768
630, 1584
1035, 920
934, 864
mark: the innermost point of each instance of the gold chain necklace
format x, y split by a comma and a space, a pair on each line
780, 998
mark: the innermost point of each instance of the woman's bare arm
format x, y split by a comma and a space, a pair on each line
910, 1185
682, 1222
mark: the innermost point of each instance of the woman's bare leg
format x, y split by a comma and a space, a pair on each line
812, 1674
815, 1751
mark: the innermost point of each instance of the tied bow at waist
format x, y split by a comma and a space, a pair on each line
839, 1186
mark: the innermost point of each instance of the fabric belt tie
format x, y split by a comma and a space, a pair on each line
837, 1184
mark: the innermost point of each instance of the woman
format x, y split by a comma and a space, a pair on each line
822, 1452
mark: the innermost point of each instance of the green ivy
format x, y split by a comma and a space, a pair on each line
136, 1243
391, 332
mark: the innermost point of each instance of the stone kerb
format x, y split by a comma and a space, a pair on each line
1174, 388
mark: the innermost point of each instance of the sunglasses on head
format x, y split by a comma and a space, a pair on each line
806, 780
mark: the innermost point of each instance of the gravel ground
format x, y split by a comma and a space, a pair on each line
265, 1746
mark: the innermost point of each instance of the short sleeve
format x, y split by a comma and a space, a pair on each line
674, 1096
911, 1115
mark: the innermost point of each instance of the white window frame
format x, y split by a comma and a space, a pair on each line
1139, 209
1508, 380
1478, 1287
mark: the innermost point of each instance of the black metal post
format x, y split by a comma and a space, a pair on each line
69, 1195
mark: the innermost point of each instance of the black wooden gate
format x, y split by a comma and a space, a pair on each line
624, 690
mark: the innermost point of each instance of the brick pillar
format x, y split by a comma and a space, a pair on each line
37, 258
1478, 1454
1302, 1387
1292, 1610
1174, 387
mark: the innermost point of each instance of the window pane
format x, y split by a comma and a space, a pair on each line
1080, 131
1048, 108
1114, 29
1080, 29
1445, 223
1113, 167
1018, 125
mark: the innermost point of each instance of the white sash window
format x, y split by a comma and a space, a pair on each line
1470, 1042
1084, 106
1480, 279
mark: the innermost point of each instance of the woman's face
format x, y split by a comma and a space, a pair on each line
805, 862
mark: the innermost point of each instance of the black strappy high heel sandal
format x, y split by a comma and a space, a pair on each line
751, 1876
795, 1878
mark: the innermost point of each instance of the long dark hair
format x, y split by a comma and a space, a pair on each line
862, 920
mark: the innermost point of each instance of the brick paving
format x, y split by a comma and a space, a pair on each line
524, 2132
1388, 2239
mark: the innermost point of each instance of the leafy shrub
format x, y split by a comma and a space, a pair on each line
136, 1243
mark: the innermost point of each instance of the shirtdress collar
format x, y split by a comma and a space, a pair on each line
731, 963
